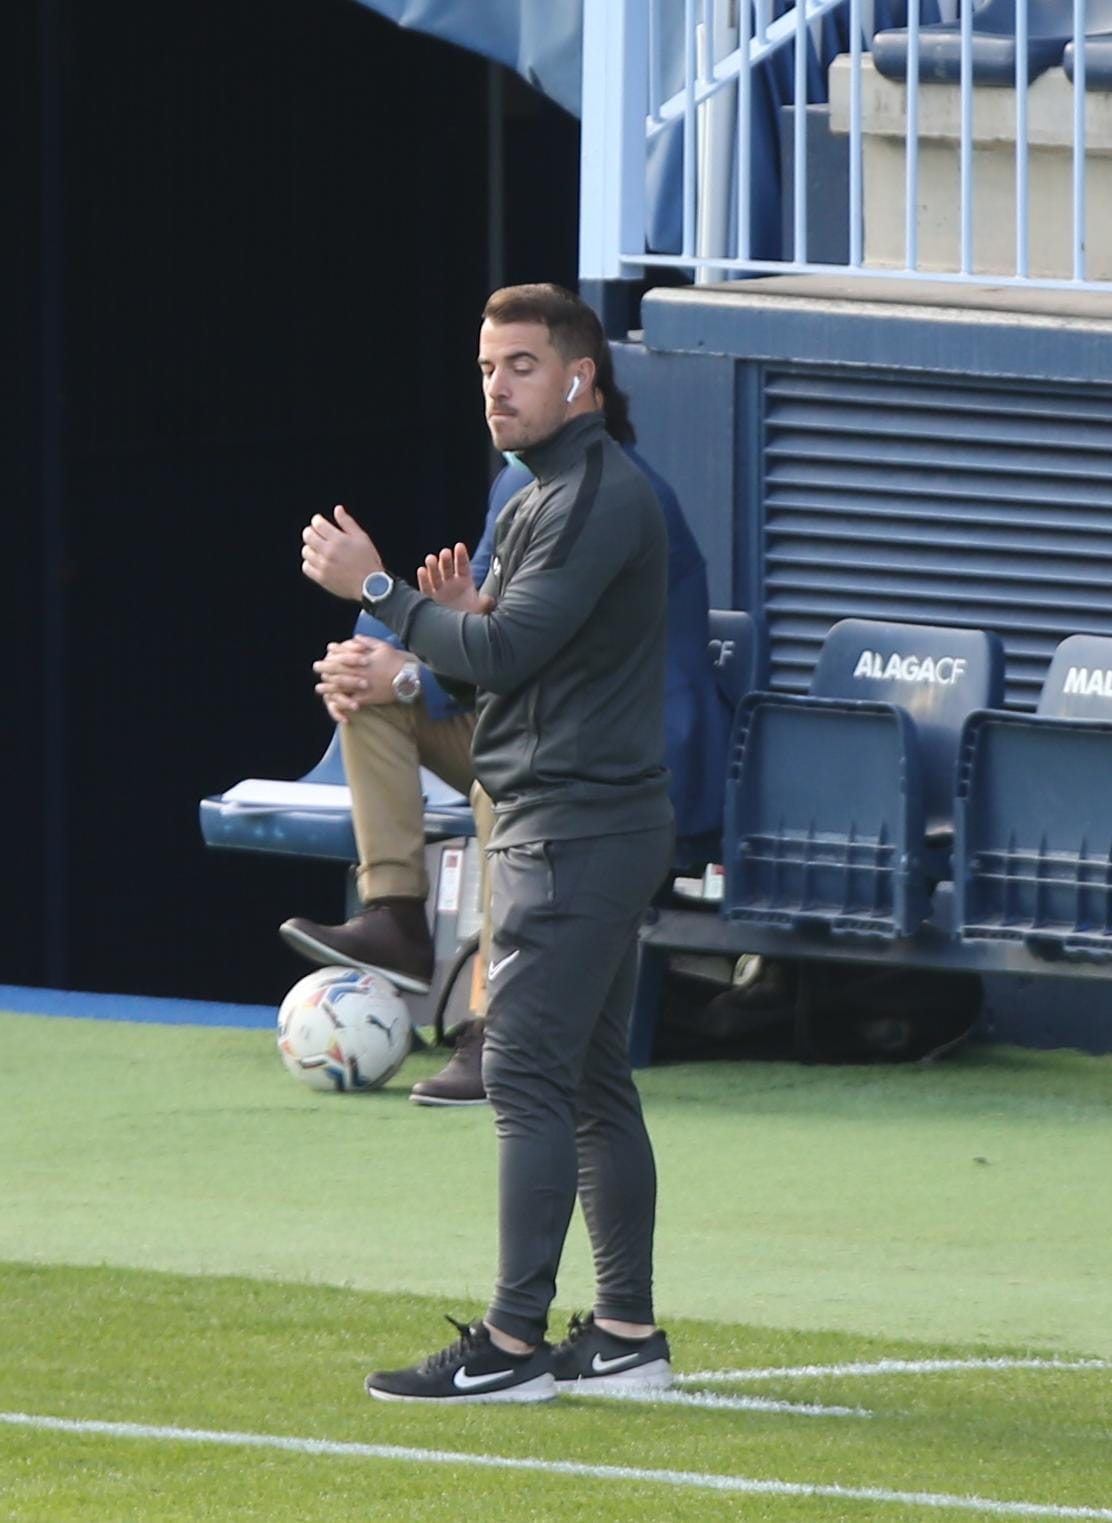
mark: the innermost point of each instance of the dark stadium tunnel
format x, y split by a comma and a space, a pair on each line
254, 268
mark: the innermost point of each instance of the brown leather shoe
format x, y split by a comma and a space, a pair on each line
460, 1081
390, 936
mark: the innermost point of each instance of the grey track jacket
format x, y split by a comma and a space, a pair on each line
569, 665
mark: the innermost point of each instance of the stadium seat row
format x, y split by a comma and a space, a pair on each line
896, 813
900, 772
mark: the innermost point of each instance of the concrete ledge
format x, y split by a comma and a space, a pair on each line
1049, 239
1049, 110
934, 326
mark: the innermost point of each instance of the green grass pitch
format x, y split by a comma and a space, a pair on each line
202, 1259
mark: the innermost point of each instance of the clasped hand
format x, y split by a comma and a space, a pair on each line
357, 672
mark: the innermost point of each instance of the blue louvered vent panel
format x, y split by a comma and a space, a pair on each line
943, 502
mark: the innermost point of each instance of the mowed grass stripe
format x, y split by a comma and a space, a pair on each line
623, 1473
860, 1199
233, 1356
951, 1220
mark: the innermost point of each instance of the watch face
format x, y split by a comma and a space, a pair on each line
377, 585
407, 683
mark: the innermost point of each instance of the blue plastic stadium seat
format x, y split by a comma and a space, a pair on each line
1033, 845
324, 833
1098, 62
839, 807
737, 652
1049, 29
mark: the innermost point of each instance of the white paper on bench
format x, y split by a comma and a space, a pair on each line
268, 794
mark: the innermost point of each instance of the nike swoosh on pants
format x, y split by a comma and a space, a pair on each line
495, 968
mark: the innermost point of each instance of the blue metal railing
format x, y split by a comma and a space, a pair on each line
655, 70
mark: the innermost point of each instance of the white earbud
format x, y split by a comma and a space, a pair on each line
573, 390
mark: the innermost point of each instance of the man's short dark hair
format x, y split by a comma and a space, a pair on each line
575, 332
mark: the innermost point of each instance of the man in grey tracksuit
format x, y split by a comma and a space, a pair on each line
564, 646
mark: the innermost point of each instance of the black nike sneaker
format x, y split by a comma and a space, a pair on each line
591, 1359
472, 1369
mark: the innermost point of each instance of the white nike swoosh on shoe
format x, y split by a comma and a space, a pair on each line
465, 1382
603, 1366
494, 968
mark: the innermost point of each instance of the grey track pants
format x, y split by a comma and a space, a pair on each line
556, 1067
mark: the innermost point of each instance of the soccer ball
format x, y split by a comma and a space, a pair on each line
344, 1030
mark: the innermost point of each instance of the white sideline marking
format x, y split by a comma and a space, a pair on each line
725, 1403
689, 1478
887, 1367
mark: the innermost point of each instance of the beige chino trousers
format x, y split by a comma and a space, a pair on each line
383, 746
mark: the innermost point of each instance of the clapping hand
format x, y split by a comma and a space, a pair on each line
338, 556
447, 579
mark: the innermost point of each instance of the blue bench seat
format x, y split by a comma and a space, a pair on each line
321, 832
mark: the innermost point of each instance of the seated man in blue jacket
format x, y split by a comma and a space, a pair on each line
394, 717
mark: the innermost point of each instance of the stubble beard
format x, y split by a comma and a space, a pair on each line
522, 436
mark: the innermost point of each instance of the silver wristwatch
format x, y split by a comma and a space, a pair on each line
407, 683
379, 585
